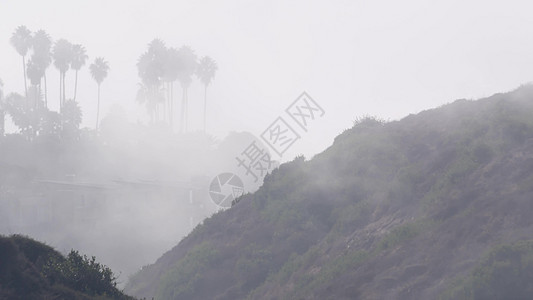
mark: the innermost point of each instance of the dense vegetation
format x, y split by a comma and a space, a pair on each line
395, 210
505, 272
32, 270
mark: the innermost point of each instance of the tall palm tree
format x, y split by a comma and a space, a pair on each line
35, 73
171, 73
206, 72
151, 96
78, 60
151, 69
187, 68
62, 54
41, 44
151, 64
99, 71
21, 40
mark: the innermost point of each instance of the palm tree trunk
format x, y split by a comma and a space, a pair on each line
156, 105
171, 117
60, 91
64, 94
98, 108
162, 109
186, 110
76, 85
24, 69
167, 104
45, 91
205, 104
182, 113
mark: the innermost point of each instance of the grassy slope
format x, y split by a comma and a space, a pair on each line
397, 210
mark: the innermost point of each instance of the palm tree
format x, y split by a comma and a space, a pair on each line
62, 54
151, 96
21, 40
35, 73
41, 44
99, 71
78, 60
171, 73
152, 70
187, 68
206, 72
151, 64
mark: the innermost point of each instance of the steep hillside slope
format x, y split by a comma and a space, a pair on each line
428, 207
32, 270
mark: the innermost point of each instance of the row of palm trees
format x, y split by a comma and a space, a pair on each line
159, 68
64, 55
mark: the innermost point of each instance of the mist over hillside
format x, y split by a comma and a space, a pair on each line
437, 204
269, 149
146, 190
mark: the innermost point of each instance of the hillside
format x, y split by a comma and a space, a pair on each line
32, 270
436, 205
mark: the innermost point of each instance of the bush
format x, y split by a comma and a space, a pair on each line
82, 274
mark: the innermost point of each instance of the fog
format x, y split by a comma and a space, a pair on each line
142, 181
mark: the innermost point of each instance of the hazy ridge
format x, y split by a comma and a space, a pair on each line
412, 209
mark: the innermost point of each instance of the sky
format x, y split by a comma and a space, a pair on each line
354, 58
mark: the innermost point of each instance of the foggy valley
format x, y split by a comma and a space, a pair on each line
266, 150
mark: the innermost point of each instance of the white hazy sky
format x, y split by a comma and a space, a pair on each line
384, 58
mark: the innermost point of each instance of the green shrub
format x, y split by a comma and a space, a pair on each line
82, 274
